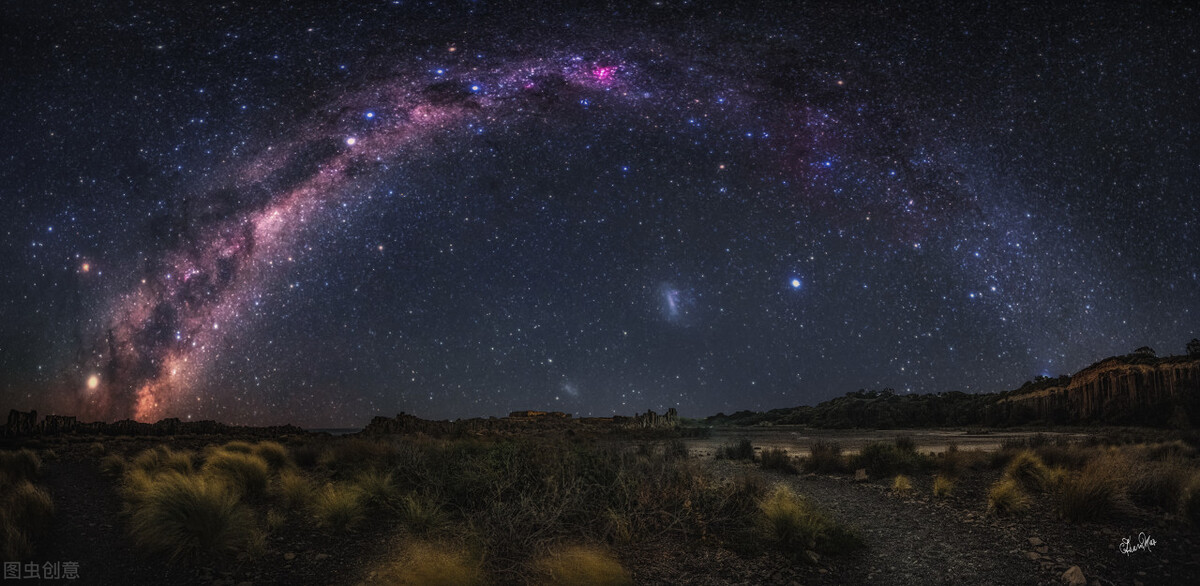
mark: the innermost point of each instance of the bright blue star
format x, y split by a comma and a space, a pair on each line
796, 283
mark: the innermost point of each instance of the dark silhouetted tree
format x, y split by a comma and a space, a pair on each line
1145, 351
1193, 348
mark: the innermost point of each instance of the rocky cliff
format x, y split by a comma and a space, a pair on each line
519, 422
22, 423
1124, 389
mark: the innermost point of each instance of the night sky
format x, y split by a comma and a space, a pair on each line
320, 214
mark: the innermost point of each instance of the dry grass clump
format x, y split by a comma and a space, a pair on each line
1093, 493
351, 454
581, 565
1028, 470
293, 490
1160, 483
824, 457
432, 564
777, 459
942, 486
188, 516
378, 488
274, 454
238, 447
242, 470
25, 512
113, 465
794, 524
420, 514
338, 507
901, 484
1006, 497
161, 459
19, 465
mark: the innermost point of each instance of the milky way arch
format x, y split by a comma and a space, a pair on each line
162, 334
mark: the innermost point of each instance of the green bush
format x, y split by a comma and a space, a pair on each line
883, 459
189, 516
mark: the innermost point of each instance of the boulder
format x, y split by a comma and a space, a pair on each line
1074, 577
860, 475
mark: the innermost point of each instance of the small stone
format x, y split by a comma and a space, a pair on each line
1033, 555
289, 556
1036, 541
860, 475
247, 583
823, 571
813, 557
1043, 550
1074, 576
322, 556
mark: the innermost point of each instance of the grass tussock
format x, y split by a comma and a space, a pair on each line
432, 564
778, 459
338, 507
420, 514
274, 454
901, 484
1093, 492
581, 565
25, 512
1006, 497
825, 457
293, 490
1160, 484
1028, 470
794, 524
378, 488
1189, 502
244, 471
355, 454
113, 465
187, 516
238, 447
19, 465
943, 486
739, 450
163, 459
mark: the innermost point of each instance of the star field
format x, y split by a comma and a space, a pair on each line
318, 214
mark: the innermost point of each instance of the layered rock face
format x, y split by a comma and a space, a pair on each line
1120, 390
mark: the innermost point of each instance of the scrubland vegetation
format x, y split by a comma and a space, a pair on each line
25, 509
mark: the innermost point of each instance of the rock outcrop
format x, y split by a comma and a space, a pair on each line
1131, 389
519, 422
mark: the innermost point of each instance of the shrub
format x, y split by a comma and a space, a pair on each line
432, 564
777, 459
792, 523
951, 461
420, 514
901, 484
244, 471
886, 459
1006, 496
1091, 493
1071, 456
162, 459
293, 490
741, 450
1160, 484
824, 457
189, 515
19, 465
581, 565
338, 507
942, 486
274, 454
377, 488
1028, 470
349, 454
906, 443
